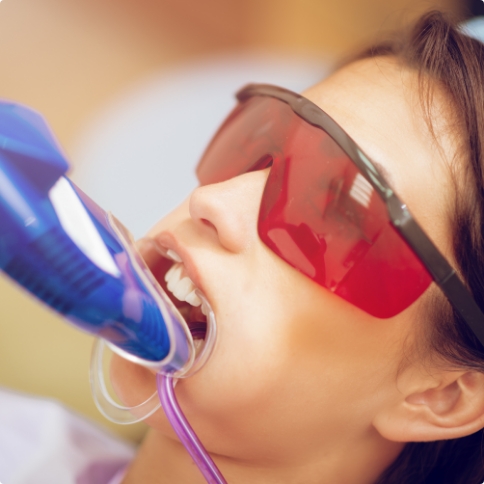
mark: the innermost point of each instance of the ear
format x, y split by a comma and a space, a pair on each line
438, 406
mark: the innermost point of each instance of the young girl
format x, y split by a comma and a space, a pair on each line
320, 376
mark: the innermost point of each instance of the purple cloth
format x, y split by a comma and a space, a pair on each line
118, 478
41, 442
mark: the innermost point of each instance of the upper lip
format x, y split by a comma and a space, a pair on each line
168, 241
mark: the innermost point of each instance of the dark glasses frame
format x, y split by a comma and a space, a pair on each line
441, 271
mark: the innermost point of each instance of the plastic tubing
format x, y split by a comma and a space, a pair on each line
166, 392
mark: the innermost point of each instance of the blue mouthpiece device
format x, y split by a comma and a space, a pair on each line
78, 259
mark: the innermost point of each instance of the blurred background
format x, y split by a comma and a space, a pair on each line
133, 90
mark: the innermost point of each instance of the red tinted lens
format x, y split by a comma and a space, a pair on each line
318, 211
254, 131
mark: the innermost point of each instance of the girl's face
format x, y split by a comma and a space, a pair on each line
297, 371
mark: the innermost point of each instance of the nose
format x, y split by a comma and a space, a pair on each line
231, 209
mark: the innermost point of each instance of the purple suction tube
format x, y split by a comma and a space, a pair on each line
183, 429
169, 403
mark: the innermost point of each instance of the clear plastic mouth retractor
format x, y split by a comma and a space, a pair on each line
125, 415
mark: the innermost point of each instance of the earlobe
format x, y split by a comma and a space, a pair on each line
449, 406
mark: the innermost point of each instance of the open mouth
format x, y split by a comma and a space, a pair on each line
168, 269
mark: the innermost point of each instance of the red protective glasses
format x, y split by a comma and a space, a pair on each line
326, 210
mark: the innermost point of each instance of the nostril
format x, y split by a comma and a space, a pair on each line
208, 224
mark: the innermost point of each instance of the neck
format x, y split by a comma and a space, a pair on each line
162, 460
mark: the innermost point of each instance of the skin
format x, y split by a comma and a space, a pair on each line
302, 384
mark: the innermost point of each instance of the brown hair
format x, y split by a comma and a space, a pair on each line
440, 52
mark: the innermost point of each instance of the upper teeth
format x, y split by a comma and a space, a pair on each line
181, 285
173, 255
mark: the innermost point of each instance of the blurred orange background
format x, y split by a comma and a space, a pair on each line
68, 59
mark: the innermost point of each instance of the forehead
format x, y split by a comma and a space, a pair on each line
376, 101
